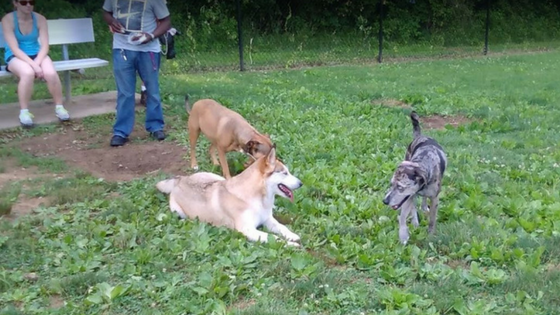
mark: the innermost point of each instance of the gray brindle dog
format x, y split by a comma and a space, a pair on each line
420, 174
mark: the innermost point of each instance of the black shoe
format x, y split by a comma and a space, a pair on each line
118, 141
158, 135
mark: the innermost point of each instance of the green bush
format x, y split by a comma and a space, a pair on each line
211, 26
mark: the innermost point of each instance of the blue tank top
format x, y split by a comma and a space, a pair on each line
29, 43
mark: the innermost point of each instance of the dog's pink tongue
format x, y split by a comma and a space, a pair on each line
287, 191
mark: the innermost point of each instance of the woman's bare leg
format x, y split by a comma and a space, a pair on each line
53, 80
26, 75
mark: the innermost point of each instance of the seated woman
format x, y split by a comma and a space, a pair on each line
27, 57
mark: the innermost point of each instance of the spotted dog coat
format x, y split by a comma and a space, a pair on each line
420, 174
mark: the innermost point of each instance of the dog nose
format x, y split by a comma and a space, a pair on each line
386, 200
300, 184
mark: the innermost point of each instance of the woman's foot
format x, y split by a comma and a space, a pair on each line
62, 113
26, 118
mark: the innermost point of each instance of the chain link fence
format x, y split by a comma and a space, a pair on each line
391, 30
245, 35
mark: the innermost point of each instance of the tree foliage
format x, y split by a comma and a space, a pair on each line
441, 22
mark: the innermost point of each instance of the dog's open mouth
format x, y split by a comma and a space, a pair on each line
395, 207
287, 191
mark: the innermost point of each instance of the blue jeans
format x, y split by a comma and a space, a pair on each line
125, 65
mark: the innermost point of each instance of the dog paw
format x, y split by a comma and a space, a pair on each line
195, 167
294, 244
293, 237
403, 235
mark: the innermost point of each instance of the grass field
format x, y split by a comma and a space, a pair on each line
102, 247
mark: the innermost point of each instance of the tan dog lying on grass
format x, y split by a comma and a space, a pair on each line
226, 130
243, 202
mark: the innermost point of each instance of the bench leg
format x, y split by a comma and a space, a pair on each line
67, 86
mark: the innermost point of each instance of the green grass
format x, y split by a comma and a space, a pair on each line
25, 159
8, 196
117, 249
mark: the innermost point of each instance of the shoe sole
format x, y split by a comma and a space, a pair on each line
158, 139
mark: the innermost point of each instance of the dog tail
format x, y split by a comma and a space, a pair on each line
187, 105
166, 186
415, 124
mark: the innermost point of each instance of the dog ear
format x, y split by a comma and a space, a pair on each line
421, 175
250, 147
271, 159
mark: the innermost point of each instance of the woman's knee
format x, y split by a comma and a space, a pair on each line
51, 76
25, 73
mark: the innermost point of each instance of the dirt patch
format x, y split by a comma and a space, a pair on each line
552, 267
242, 305
91, 153
439, 122
15, 173
56, 301
456, 263
24, 206
391, 102
428, 122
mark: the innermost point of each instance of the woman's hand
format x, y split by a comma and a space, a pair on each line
38, 70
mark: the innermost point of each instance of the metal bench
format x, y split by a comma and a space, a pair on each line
65, 32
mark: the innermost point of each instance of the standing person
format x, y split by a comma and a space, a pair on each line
27, 57
135, 25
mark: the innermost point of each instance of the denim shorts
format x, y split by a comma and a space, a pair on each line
12, 57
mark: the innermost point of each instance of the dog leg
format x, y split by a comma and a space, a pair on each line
276, 227
213, 154
434, 201
414, 215
193, 137
223, 163
255, 235
174, 206
425, 204
403, 228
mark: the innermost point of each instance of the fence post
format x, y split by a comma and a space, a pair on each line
487, 27
380, 36
239, 35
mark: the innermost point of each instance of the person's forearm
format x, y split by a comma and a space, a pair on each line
23, 56
108, 17
163, 26
42, 54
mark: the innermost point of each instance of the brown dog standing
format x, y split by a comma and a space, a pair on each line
226, 130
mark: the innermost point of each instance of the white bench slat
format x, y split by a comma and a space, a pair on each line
76, 64
70, 31
65, 31
65, 65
